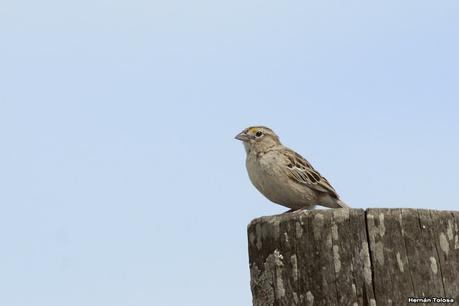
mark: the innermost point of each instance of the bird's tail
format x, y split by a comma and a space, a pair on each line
341, 204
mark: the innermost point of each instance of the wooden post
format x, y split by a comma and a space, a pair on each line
355, 257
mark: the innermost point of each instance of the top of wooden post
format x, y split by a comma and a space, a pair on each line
354, 257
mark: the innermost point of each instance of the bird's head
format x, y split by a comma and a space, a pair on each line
258, 138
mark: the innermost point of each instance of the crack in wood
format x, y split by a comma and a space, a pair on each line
328, 257
367, 232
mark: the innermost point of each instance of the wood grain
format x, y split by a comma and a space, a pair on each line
354, 257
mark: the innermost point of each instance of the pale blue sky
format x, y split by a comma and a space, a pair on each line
121, 181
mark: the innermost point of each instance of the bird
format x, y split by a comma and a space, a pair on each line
284, 176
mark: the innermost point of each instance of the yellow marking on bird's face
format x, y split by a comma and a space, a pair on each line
252, 130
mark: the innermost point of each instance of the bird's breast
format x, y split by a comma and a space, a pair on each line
267, 176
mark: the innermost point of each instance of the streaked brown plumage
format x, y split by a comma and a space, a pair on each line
282, 175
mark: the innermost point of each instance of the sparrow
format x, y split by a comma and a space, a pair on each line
282, 175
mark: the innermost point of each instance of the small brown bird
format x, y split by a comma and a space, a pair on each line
282, 175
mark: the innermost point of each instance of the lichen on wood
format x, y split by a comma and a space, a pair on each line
354, 257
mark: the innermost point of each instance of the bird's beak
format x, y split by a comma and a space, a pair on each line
242, 136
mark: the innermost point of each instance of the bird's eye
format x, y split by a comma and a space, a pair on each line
259, 134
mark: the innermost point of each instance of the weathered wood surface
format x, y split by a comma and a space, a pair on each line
354, 257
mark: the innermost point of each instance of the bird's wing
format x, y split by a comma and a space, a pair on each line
299, 169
